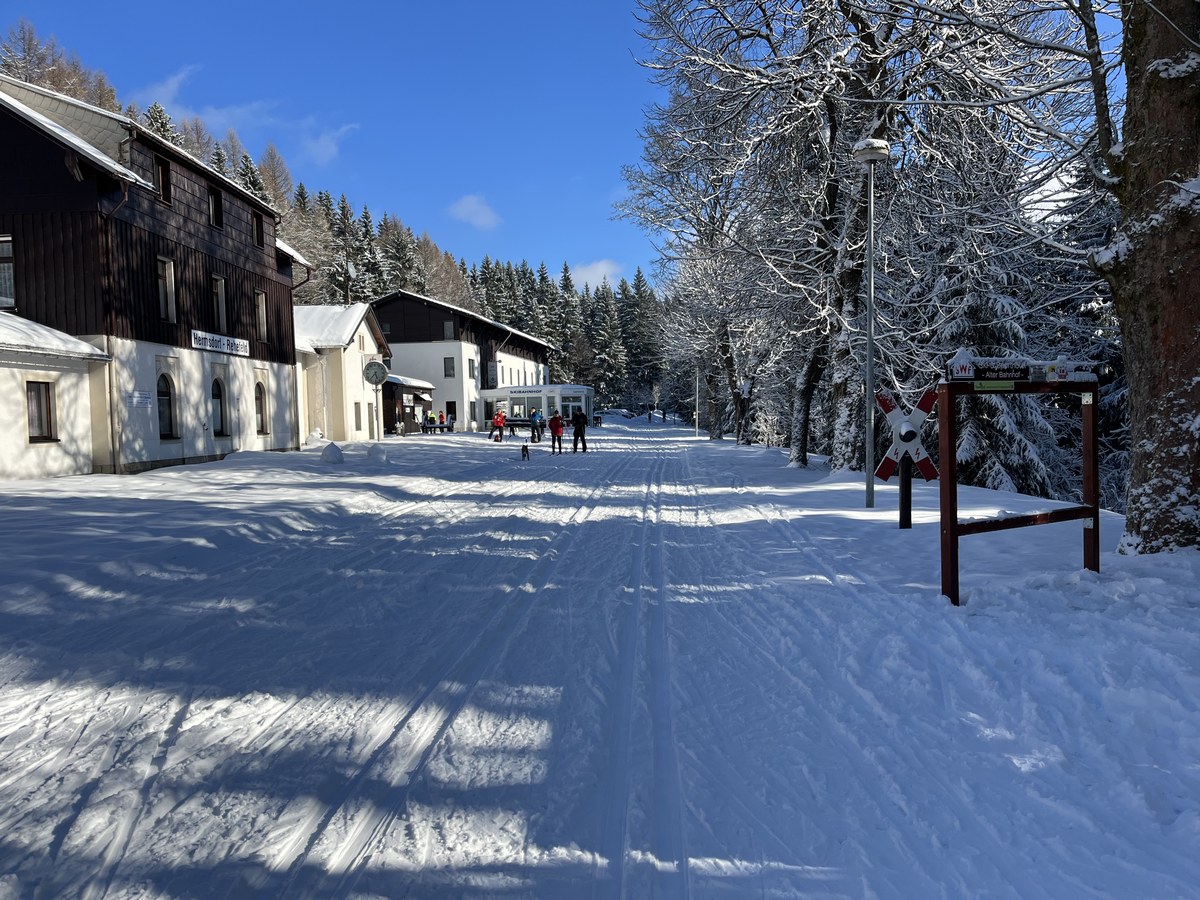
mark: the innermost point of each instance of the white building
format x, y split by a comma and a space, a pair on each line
333, 346
459, 352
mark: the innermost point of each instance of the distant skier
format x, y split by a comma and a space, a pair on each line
579, 423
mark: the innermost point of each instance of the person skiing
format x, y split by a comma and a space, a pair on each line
579, 423
556, 431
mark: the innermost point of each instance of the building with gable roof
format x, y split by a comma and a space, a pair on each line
460, 353
117, 237
333, 346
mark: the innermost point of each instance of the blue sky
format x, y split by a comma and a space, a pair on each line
500, 128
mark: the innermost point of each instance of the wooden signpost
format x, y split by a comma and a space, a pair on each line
967, 377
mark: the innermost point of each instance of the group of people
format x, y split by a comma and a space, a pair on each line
538, 426
435, 423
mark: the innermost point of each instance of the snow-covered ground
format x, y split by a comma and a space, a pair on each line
666, 668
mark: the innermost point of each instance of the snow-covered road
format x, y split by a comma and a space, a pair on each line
666, 668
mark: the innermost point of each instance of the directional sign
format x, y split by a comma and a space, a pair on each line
906, 434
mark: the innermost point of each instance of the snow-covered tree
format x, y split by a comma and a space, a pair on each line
158, 121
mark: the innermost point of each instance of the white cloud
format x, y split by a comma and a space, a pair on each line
593, 273
167, 93
474, 210
324, 147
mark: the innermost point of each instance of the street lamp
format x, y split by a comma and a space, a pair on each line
870, 151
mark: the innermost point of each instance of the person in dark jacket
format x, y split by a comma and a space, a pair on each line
579, 423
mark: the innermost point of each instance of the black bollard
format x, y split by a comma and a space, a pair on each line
906, 491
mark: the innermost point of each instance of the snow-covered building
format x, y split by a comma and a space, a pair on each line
45, 398
333, 346
459, 352
170, 271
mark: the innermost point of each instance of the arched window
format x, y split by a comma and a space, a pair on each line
260, 407
166, 408
218, 409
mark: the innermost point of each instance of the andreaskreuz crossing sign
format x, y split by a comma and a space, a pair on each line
906, 434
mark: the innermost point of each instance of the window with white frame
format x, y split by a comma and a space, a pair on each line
260, 408
8, 283
166, 289
256, 223
260, 314
39, 397
471, 369
166, 408
220, 306
217, 411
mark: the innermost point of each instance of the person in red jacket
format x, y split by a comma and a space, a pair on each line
497, 432
556, 432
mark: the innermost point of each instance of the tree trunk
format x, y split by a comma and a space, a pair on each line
1153, 268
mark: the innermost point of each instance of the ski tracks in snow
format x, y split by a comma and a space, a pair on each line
403, 758
644, 649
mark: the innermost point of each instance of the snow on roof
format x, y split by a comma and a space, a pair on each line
98, 132
97, 157
466, 312
405, 381
323, 327
294, 254
23, 336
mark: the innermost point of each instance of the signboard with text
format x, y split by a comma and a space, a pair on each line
220, 343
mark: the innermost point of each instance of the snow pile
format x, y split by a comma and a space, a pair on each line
333, 454
670, 667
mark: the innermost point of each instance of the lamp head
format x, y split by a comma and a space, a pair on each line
872, 150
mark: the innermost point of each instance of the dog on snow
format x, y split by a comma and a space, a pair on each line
524, 451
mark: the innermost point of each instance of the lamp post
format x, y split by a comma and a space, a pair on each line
870, 151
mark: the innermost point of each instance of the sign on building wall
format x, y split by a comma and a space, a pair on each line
139, 399
221, 343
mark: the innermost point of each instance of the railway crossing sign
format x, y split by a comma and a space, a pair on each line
906, 434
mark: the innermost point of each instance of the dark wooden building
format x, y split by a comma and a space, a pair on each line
458, 351
114, 235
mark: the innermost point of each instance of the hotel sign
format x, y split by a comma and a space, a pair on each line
220, 343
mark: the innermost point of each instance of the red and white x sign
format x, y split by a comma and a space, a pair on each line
906, 434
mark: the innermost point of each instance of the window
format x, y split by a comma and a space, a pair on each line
448, 366
216, 208
260, 408
260, 312
471, 369
357, 416
162, 178
39, 396
448, 330
362, 343
166, 407
220, 308
218, 409
8, 287
256, 222
166, 289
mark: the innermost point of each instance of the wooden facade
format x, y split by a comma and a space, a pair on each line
91, 204
85, 252
411, 318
